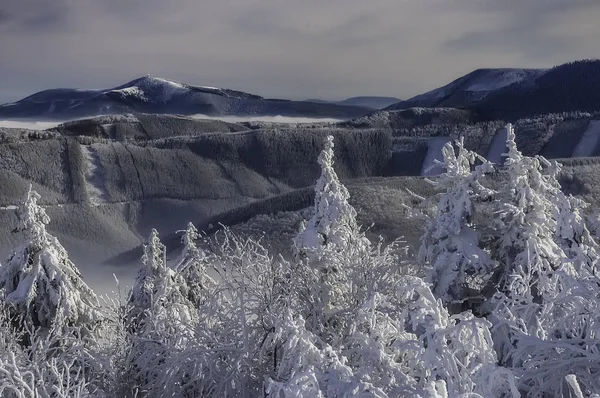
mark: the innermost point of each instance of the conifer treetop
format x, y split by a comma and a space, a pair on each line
334, 219
33, 218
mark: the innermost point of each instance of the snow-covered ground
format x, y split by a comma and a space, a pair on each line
94, 176
589, 140
498, 146
434, 152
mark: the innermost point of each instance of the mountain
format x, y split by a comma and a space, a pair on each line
364, 101
370, 102
574, 86
156, 95
471, 88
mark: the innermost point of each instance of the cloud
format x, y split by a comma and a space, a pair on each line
268, 119
331, 49
28, 125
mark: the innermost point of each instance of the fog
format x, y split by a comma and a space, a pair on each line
33, 125
43, 125
267, 119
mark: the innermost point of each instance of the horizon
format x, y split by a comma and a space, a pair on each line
116, 84
275, 49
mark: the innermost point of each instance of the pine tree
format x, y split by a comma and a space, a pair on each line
333, 224
160, 316
192, 265
41, 285
527, 248
157, 289
575, 238
451, 242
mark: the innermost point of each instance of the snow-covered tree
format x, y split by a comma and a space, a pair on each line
574, 237
158, 288
192, 266
333, 224
527, 248
546, 307
41, 370
159, 314
231, 349
41, 285
450, 245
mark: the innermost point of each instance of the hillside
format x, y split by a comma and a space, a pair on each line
566, 88
512, 94
124, 189
126, 174
156, 95
471, 88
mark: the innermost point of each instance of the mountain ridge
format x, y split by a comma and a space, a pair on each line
470, 88
150, 94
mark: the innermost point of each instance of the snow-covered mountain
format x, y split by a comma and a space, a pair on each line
156, 95
574, 86
471, 88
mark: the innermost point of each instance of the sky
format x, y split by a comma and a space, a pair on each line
297, 49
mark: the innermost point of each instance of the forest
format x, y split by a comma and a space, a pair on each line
501, 299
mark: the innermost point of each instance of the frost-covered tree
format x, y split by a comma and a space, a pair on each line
402, 345
192, 266
450, 245
333, 224
40, 370
546, 307
330, 251
159, 314
157, 288
231, 350
41, 285
527, 248
574, 237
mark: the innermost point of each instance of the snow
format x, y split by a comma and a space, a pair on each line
589, 140
94, 176
165, 89
498, 146
133, 92
481, 82
434, 152
494, 80
23, 289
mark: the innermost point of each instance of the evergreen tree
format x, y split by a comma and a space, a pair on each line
160, 316
333, 224
527, 248
158, 290
574, 237
192, 266
41, 285
451, 242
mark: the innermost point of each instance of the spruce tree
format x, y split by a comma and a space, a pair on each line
333, 224
40, 284
450, 245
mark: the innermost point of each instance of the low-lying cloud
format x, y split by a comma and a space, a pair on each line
44, 125
32, 125
267, 119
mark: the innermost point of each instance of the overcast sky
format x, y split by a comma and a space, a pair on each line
329, 49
